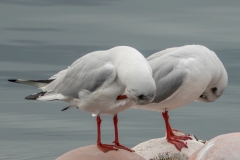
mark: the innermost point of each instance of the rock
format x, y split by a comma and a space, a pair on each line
93, 153
225, 147
160, 149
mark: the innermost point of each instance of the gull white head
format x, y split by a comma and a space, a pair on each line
142, 95
141, 87
136, 74
215, 90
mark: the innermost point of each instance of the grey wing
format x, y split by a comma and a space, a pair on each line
167, 76
161, 53
59, 74
87, 73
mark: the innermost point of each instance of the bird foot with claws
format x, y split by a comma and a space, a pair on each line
106, 147
119, 146
179, 144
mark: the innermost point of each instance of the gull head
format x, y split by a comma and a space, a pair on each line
215, 89
142, 96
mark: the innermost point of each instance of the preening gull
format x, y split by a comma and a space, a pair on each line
101, 82
183, 75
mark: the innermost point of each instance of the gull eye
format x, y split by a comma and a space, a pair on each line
141, 96
214, 90
202, 96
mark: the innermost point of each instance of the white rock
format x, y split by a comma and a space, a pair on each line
160, 149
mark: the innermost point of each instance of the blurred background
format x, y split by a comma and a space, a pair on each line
40, 37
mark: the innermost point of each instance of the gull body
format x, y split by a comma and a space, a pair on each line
101, 82
184, 75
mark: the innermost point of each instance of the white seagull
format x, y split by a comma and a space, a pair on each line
101, 82
183, 75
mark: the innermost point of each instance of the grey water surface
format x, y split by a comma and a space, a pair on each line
40, 37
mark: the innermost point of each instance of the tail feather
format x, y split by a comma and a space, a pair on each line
12, 80
43, 81
35, 96
35, 83
66, 108
51, 96
46, 96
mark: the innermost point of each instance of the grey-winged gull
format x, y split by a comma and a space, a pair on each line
101, 82
183, 75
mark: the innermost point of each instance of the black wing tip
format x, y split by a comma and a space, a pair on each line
43, 81
34, 96
64, 109
30, 97
12, 80
40, 81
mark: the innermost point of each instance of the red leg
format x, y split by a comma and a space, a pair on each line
116, 141
177, 141
103, 147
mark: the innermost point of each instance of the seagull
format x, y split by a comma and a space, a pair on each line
100, 82
184, 75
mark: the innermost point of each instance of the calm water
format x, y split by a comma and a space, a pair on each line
39, 38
